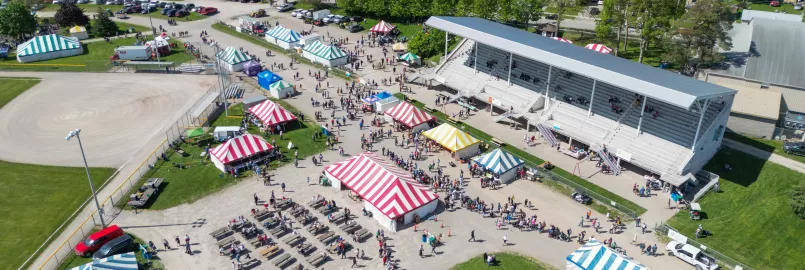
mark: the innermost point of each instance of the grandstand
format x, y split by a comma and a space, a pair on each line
665, 123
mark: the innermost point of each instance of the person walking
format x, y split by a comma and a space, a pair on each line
643, 226
178, 242
283, 187
472, 236
421, 250
505, 240
581, 222
166, 244
354, 262
256, 200
433, 249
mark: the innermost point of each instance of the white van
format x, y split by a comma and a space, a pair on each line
225, 133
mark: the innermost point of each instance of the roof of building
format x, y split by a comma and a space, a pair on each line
749, 15
781, 57
760, 103
652, 82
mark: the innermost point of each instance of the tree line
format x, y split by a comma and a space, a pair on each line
17, 20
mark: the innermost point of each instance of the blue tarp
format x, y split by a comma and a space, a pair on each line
383, 95
377, 97
266, 78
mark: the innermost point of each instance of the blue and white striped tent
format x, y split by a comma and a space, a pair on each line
498, 161
594, 256
48, 47
283, 34
125, 261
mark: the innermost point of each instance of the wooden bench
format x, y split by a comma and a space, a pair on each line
226, 242
317, 229
324, 236
497, 142
338, 218
271, 251
298, 211
362, 234
283, 260
255, 242
278, 231
301, 219
317, 259
306, 248
271, 222
221, 233
293, 240
330, 239
326, 210
282, 204
263, 214
316, 204
350, 227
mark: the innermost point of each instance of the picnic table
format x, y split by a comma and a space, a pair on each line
145, 193
271, 222
326, 210
282, 204
298, 211
283, 260
293, 240
316, 204
278, 231
317, 229
262, 214
220, 233
305, 219
338, 218
270, 251
226, 242
328, 240
362, 234
305, 248
350, 227
324, 236
334, 247
317, 259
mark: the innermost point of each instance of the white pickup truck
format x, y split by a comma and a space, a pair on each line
691, 255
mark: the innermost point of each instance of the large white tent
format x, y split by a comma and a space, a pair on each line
48, 47
391, 194
328, 55
79, 32
232, 152
232, 59
281, 89
283, 37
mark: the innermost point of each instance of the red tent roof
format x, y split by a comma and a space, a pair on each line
271, 114
391, 190
240, 147
382, 27
408, 114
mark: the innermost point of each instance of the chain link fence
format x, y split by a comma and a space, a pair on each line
199, 115
549, 175
721, 259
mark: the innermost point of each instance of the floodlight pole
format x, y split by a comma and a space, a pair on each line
75, 133
642, 111
548, 87
475, 61
592, 98
154, 32
446, 38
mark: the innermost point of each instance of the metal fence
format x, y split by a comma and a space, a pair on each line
111, 206
721, 259
549, 175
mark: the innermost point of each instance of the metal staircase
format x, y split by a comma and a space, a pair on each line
611, 132
547, 135
608, 159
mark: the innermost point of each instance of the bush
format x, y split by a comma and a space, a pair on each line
798, 200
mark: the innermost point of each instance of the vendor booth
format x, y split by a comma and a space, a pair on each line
412, 117
161, 43
283, 37
500, 163
125, 261
48, 47
232, 59
252, 68
392, 196
328, 55
271, 113
79, 32
281, 89
231, 153
457, 141
411, 58
385, 104
382, 27
595, 255
399, 47
266, 78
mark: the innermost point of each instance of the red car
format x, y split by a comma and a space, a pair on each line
97, 240
208, 11
774, 3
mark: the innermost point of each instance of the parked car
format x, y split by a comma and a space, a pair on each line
328, 18
338, 19
356, 19
551, 16
794, 148
83, 1
96, 240
148, 10
355, 28
285, 7
774, 3
318, 22
116, 246
595, 11
798, 6
208, 11
296, 12
190, 5
691, 255
165, 11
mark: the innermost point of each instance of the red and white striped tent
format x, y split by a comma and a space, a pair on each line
410, 116
389, 193
562, 40
237, 149
382, 27
271, 114
598, 48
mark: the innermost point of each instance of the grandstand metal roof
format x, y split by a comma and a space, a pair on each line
652, 82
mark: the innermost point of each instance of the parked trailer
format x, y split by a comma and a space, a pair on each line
133, 52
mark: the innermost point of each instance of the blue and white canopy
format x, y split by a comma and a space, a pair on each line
498, 161
125, 261
47, 43
322, 50
594, 255
283, 34
233, 56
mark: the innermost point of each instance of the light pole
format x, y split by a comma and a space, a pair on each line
75, 133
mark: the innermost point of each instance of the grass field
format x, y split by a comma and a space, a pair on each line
406, 28
651, 56
534, 161
93, 8
13, 88
772, 146
751, 219
200, 178
95, 58
73, 261
569, 12
38, 199
505, 261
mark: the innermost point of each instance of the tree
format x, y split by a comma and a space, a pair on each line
798, 200
655, 17
703, 29
16, 20
464, 7
562, 7
401, 8
427, 44
350, 6
378, 8
316, 4
535, 9
443, 7
485, 8
506, 12
71, 15
104, 26
611, 22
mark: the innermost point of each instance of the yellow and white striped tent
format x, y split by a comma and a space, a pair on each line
451, 138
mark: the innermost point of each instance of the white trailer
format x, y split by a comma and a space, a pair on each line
320, 14
133, 52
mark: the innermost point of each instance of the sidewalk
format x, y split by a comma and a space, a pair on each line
751, 150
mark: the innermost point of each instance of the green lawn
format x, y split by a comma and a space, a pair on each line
201, 178
406, 29
13, 88
773, 146
92, 8
569, 12
534, 161
751, 219
95, 58
505, 261
73, 261
651, 56
38, 199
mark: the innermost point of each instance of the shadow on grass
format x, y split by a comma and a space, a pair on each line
744, 169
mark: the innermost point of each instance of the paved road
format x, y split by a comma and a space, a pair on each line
784, 161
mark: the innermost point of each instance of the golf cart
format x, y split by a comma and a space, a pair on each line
581, 197
695, 211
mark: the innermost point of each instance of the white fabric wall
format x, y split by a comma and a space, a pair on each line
330, 63
381, 107
287, 45
508, 176
423, 126
334, 182
80, 35
469, 151
422, 211
384, 221
281, 93
217, 162
50, 55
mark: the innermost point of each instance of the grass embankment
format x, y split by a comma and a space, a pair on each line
771, 146
505, 261
200, 178
94, 59
751, 219
534, 161
73, 261
277, 49
37, 198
